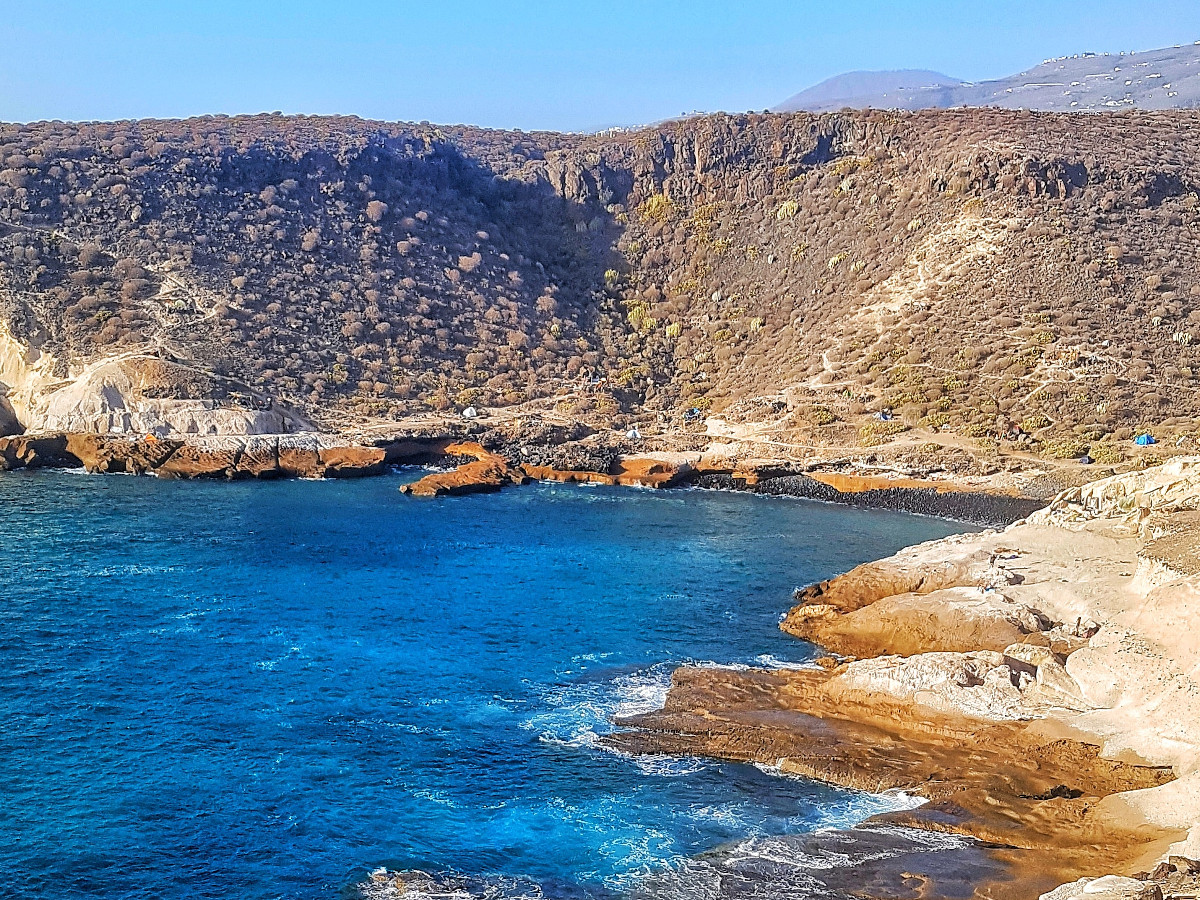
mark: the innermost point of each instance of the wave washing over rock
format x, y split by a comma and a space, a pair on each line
827, 865
1035, 685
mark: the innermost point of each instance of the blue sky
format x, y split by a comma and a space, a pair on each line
561, 65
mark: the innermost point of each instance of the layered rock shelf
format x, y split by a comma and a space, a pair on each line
248, 457
486, 471
1036, 686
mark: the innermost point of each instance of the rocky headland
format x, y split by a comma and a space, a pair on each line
1035, 685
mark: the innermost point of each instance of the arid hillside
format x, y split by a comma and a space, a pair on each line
967, 270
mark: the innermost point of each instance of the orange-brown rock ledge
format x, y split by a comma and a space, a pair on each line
1037, 686
1028, 795
227, 457
486, 471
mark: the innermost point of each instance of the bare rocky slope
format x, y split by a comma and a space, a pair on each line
968, 270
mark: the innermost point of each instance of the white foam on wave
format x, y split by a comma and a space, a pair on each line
579, 713
783, 852
861, 806
407, 727
590, 657
432, 796
414, 885
190, 620
856, 808
787, 867
728, 815
927, 840
269, 665
768, 661
118, 571
668, 766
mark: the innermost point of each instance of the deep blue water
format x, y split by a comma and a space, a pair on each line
268, 690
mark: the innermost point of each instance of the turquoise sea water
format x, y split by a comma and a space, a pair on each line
268, 690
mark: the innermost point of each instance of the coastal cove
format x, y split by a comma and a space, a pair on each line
272, 689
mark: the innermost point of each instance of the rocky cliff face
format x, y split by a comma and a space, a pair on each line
966, 269
129, 393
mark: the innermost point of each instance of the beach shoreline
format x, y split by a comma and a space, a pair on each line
487, 464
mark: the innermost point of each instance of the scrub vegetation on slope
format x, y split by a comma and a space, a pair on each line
967, 270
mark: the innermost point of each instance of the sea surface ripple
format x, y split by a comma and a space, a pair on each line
270, 690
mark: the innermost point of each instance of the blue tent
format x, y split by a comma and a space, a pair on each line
1144, 440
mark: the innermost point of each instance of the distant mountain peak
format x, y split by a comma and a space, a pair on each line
1168, 78
850, 87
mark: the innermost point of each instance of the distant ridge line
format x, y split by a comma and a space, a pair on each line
1167, 78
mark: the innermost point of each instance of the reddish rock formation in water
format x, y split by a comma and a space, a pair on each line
240, 457
487, 472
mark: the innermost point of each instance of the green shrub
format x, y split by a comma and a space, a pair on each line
821, 415
871, 434
656, 208
1064, 448
787, 209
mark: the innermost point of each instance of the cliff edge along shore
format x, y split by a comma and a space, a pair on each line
1036, 686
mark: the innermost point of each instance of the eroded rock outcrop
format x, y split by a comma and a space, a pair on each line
251, 456
146, 395
1060, 648
652, 470
486, 472
36, 452
942, 596
1132, 498
132, 393
1106, 887
1017, 685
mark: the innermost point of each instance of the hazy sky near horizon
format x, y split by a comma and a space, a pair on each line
557, 65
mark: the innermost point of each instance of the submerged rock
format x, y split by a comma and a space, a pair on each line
414, 884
